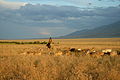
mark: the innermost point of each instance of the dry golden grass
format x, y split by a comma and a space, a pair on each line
16, 66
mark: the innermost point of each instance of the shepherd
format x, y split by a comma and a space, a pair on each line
49, 43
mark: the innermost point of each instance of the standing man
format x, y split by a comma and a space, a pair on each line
49, 43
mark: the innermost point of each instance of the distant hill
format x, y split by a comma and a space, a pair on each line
107, 31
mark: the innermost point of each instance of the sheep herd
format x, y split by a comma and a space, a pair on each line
70, 51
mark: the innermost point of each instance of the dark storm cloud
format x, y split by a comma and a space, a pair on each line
49, 11
38, 13
30, 19
68, 15
108, 12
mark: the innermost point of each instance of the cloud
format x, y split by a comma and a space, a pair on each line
55, 20
11, 5
44, 33
68, 16
80, 3
52, 21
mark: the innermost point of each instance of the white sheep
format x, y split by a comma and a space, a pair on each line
107, 50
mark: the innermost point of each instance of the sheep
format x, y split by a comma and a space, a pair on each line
58, 54
72, 49
114, 53
107, 51
79, 50
101, 53
90, 51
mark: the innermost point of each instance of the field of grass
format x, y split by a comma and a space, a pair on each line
14, 65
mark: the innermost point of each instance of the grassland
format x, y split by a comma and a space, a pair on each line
17, 66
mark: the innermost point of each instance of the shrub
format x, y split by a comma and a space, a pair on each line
35, 42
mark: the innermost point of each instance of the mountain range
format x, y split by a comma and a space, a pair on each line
106, 31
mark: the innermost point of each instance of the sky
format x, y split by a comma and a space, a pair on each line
26, 19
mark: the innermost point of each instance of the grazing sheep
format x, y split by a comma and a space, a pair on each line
107, 51
114, 53
90, 51
118, 52
101, 53
96, 55
75, 50
72, 49
79, 50
58, 54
